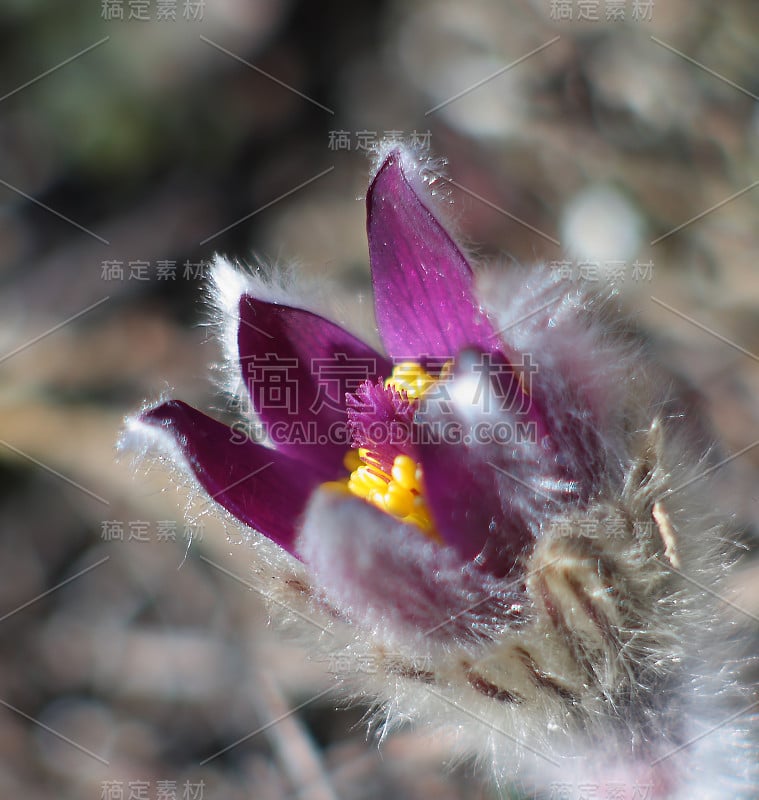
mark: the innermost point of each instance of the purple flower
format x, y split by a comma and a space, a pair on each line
485, 508
430, 515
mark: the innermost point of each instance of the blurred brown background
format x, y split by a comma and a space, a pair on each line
138, 138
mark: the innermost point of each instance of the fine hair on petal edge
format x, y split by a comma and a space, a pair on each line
288, 284
428, 176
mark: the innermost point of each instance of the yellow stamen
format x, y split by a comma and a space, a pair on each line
412, 378
399, 494
367, 480
398, 501
352, 460
404, 473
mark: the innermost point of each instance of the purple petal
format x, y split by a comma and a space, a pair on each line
463, 496
483, 444
392, 579
298, 367
266, 490
423, 295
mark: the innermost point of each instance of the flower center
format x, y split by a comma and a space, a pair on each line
382, 468
399, 494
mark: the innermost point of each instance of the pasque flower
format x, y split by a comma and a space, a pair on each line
486, 507
442, 501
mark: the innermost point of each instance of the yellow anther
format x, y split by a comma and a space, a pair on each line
404, 473
399, 494
352, 460
398, 501
365, 457
365, 481
411, 378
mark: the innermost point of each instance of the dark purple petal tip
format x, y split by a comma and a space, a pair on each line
297, 368
266, 490
423, 295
